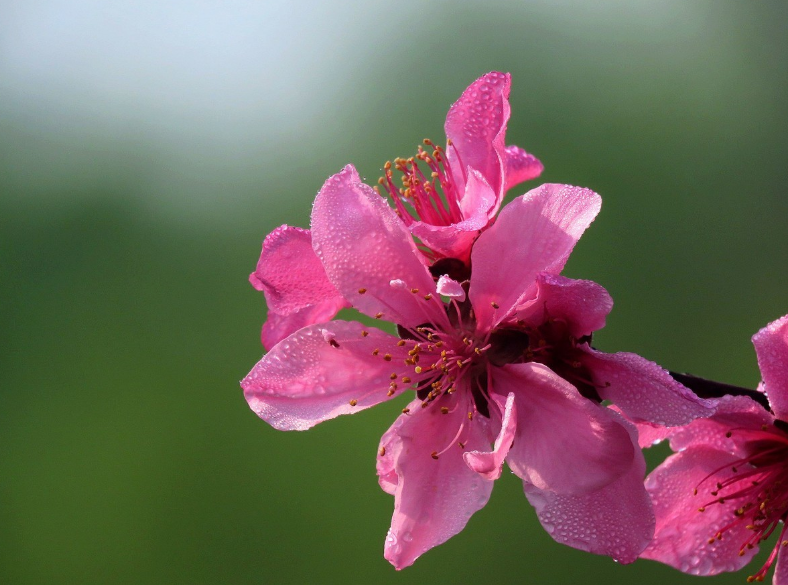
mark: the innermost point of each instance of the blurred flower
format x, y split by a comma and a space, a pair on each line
726, 488
462, 187
505, 359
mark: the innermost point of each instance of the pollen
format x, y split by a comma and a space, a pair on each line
418, 369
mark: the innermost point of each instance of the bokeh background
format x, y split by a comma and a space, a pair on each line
147, 147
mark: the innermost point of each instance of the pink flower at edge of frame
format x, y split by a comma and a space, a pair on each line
477, 404
726, 488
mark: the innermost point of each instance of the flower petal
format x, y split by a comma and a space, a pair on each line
582, 304
771, 345
297, 290
476, 126
450, 288
682, 534
364, 246
278, 327
434, 498
490, 463
534, 233
615, 520
322, 371
519, 166
643, 390
564, 442
781, 570
738, 414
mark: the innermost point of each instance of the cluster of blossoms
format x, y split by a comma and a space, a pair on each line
493, 345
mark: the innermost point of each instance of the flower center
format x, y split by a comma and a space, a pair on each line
758, 484
429, 195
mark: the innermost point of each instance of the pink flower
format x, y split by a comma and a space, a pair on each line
726, 489
448, 208
458, 191
502, 371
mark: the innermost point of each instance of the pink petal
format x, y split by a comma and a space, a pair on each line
278, 327
615, 520
734, 414
297, 290
771, 345
364, 246
534, 233
389, 450
643, 390
519, 166
434, 498
455, 240
476, 126
781, 571
449, 241
582, 304
490, 463
317, 372
682, 534
564, 442
450, 288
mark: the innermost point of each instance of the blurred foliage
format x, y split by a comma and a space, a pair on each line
127, 452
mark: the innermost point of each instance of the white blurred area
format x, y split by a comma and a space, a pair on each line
206, 88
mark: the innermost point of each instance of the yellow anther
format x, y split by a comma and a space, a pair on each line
444, 410
353, 402
375, 351
414, 291
405, 380
364, 333
401, 342
418, 369
494, 305
378, 315
387, 357
470, 415
427, 297
382, 451
405, 410
393, 376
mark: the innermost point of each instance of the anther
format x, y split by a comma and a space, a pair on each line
427, 297
405, 380
387, 357
434, 454
401, 342
418, 369
415, 291
405, 410
495, 305
333, 343
375, 351
382, 451
393, 376
728, 434
353, 402
361, 291
470, 416
444, 410
378, 315
364, 333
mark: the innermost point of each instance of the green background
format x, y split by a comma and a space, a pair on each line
145, 151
